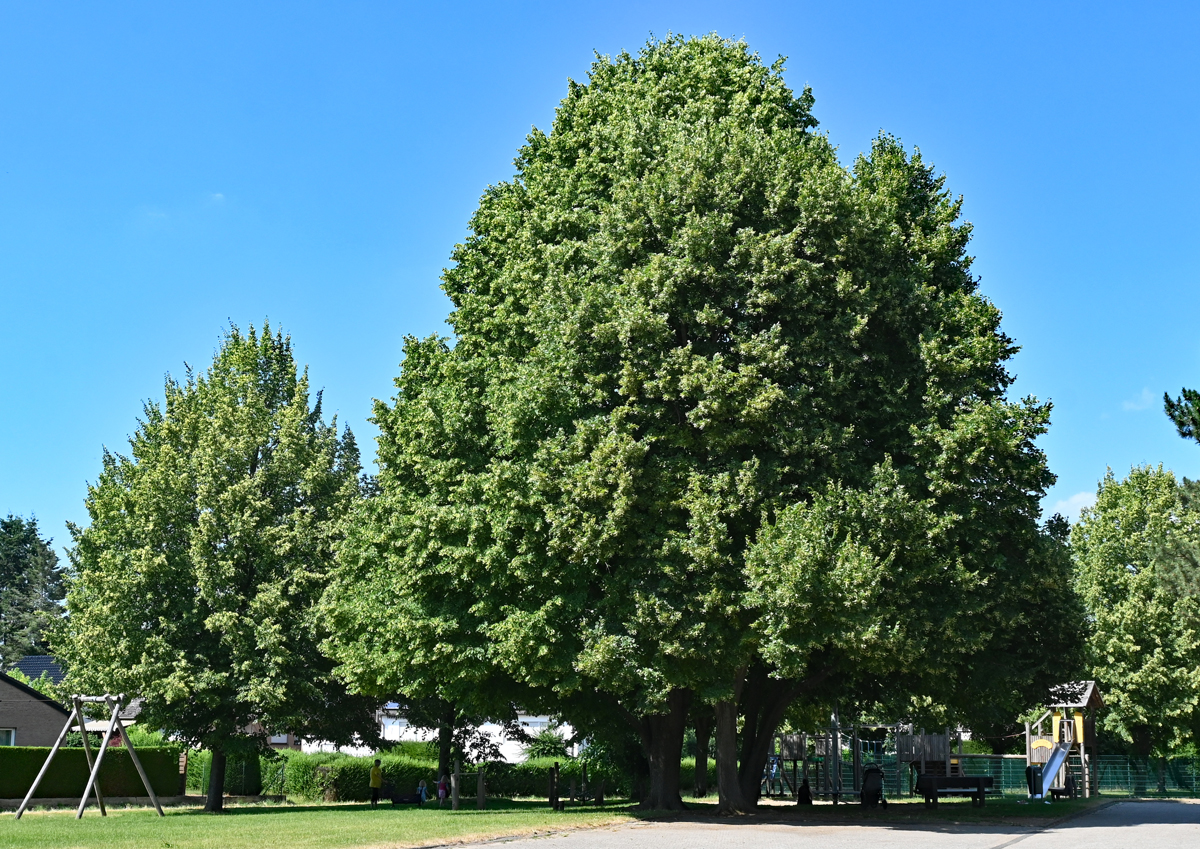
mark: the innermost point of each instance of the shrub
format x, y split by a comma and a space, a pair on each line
243, 774
68, 773
687, 776
414, 749
548, 743
340, 777
293, 773
349, 778
532, 777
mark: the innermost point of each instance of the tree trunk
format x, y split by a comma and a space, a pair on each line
764, 700
762, 703
662, 739
704, 726
215, 802
1143, 743
445, 740
730, 798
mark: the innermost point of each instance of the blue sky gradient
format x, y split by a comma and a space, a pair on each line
166, 169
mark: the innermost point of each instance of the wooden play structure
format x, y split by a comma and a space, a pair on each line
1060, 747
867, 762
881, 759
812, 766
79, 718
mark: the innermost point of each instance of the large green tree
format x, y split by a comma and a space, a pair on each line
31, 588
195, 584
1133, 552
722, 421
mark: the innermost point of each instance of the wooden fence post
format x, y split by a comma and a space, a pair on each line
455, 781
481, 798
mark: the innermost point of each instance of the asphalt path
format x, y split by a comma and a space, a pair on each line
1125, 825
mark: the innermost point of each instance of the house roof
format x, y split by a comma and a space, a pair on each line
34, 694
1076, 694
33, 665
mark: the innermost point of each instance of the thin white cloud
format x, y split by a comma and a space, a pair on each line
1141, 402
1070, 507
216, 197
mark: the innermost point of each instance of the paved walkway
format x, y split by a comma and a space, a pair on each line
1125, 825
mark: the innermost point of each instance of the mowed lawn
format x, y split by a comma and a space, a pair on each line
263, 826
331, 826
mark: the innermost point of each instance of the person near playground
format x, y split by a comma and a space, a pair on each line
376, 783
422, 792
443, 788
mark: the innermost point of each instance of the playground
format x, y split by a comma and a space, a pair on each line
845, 777
874, 764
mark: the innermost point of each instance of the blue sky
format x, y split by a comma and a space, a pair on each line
167, 168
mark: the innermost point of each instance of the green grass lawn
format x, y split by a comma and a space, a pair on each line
262, 826
331, 826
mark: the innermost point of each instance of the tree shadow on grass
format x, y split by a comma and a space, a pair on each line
494, 806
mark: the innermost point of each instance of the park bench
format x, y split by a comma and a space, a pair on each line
933, 787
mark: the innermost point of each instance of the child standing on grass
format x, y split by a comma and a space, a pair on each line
376, 783
422, 792
443, 790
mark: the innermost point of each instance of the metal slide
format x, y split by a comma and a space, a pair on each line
1050, 769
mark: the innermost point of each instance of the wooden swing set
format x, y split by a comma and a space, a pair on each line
93, 784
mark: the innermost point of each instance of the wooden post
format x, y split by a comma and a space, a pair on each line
87, 752
837, 759
138, 764
112, 724
947, 751
583, 782
600, 792
571, 791
803, 763
554, 787
455, 782
480, 791
856, 760
62, 735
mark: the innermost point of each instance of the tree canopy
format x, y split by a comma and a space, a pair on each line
721, 421
31, 588
195, 583
1134, 555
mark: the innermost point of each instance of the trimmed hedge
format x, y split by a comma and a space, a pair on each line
349, 779
243, 775
295, 773
687, 775
345, 778
68, 773
532, 778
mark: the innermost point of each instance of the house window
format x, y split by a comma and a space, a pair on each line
8, 736
279, 738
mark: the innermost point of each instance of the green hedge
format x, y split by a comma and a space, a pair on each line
532, 778
295, 773
68, 773
349, 779
243, 775
346, 778
687, 776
